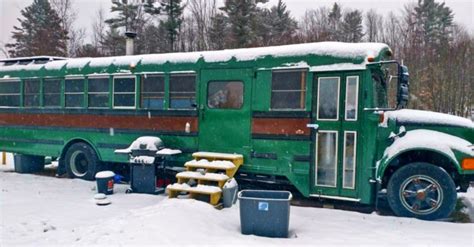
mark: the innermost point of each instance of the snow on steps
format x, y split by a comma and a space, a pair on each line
215, 165
229, 163
203, 169
217, 156
202, 178
206, 189
214, 192
205, 176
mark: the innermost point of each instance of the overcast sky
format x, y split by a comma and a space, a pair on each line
10, 10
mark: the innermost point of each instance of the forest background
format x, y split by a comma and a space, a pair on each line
437, 51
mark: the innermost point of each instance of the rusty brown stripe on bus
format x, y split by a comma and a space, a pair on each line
155, 123
281, 126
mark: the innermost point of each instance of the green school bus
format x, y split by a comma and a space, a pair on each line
326, 117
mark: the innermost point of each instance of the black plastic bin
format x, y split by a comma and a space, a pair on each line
143, 178
105, 182
28, 163
265, 212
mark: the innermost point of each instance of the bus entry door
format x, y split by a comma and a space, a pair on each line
224, 110
335, 150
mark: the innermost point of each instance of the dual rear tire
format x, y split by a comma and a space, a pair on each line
81, 161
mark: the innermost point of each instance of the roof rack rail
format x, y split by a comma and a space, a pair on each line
29, 60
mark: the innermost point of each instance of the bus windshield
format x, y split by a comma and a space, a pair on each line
385, 87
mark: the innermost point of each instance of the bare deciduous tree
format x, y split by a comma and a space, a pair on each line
68, 15
373, 26
315, 25
98, 29
202, 12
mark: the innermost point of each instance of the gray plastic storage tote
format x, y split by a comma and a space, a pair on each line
265, 212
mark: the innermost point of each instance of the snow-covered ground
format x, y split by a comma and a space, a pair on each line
42, 210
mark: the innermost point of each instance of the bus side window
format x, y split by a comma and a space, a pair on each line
124, 92
74, 93
288, 89
98, 92
10, 92
225, 94
52, 92
152, 95
31, 93
182, 91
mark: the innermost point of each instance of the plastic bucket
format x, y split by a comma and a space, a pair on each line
229, 193
105, 182
265, 212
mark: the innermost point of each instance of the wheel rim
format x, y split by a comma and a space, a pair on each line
421, 194
79, 164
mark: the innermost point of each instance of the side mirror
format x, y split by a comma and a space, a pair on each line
403, 87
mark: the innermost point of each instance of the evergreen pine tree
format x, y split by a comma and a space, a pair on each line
243, 21
434, 20
335, 23
127, 16
174, 18
283, 26
113, 43
276, 27
264, 28
217, 31
40, 32
131, 16
151, 9
352, 28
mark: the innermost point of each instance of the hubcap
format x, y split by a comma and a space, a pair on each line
79, 164
421, 194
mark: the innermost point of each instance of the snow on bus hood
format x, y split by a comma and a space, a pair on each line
428, 139
407, 116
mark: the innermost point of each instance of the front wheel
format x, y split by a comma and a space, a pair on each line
81, 161
421, 190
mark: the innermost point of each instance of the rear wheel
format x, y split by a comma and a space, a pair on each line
81, 161
421, 190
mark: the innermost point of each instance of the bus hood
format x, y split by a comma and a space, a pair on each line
453, 147
408, 117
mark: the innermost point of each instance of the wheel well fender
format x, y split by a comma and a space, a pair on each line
389, 167
69, 143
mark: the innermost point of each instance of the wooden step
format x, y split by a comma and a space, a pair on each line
214, 192
217, 156
209, 163
217, 165
183, 177
236, 159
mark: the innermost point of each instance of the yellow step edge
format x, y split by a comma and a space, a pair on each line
236, 159
220, 179
214, 194
213, 155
